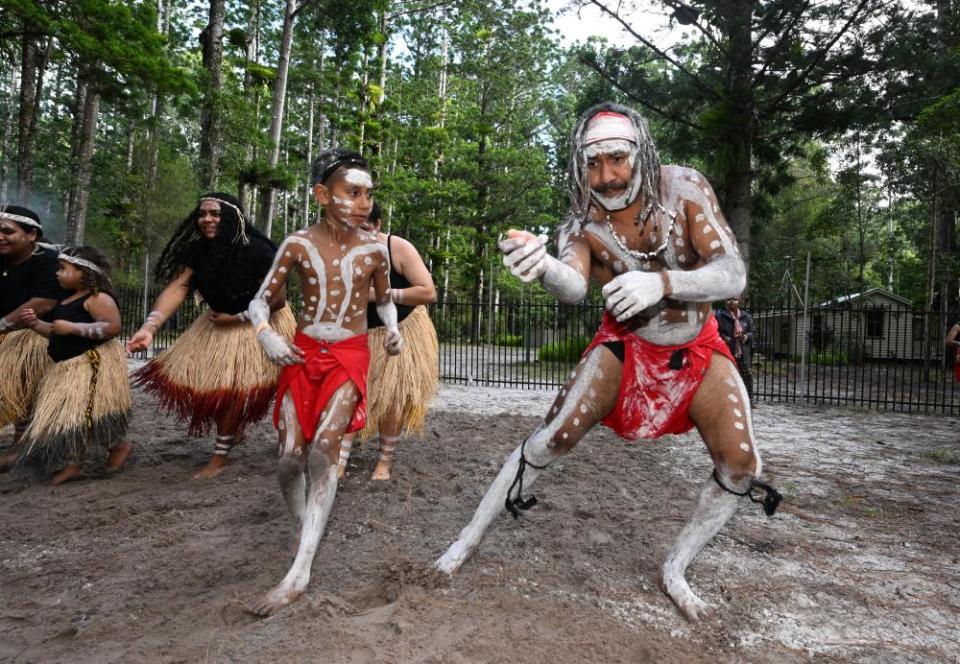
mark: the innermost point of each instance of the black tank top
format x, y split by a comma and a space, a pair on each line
66, 346
397, 280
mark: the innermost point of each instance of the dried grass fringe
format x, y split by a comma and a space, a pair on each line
59, 429
212, 371
403, 384
23, 362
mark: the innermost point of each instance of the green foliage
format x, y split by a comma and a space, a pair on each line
457, 167
509, 340
568, 350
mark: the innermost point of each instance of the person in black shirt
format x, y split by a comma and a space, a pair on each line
215, 373
398, 388
27, 281
84, 398
736, 329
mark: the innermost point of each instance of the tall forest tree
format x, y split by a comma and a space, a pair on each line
753, 82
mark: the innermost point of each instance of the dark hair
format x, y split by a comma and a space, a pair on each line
187, 244
21, 211
92, 280
331, 160
376, 216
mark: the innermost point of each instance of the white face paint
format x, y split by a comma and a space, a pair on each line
358, 177
342, 206
611, 147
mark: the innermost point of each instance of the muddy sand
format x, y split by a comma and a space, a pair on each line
859, 565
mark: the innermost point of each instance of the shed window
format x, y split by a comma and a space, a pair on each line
875, 323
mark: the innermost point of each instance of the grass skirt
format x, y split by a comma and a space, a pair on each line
23, 362
403, 384
214, 371
82, 402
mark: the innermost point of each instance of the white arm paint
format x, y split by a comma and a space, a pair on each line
5, 325
98, 330
528, 259
563, 282
723, 277
392, 341
274, 346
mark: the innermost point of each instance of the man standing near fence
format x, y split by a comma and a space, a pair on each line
654, 238
736, 330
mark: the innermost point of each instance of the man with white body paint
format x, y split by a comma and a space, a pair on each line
322, 388
654, 238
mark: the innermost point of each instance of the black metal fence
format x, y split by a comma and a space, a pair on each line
875, 355
133, 312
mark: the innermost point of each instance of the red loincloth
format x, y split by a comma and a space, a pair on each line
326, 367
654, 399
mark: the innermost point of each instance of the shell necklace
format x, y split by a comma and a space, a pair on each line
642, 255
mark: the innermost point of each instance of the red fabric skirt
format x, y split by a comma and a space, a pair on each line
326, 367
654, 399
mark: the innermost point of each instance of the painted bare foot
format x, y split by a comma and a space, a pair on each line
382, 472
454, 557
72, 471
118, 455
677, 589
341, 471
213, 468
274, 600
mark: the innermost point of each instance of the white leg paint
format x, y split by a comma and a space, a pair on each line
713, 509
492, 504
291, 464
346, 443
539, 451
321, 491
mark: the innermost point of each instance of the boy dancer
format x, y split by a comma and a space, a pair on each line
322, 387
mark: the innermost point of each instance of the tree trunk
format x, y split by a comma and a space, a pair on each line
382, 58
738, 181
131, 131
276, 108
5, 140
82, 168
947, 217
79, 99
244, 191
211, 121
34, 61
307, 188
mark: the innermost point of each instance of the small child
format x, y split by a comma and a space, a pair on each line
84, 398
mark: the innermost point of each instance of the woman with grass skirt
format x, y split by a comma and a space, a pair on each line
399, 388
27, 281
215, 374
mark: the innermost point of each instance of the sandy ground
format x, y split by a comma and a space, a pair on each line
860, 565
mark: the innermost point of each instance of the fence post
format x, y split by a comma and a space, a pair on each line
805, 334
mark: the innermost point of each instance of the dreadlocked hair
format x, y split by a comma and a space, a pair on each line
94, 282
646, 164
228, 249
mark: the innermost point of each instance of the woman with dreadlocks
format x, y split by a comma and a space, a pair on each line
84, 398
215, 373
27, 281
